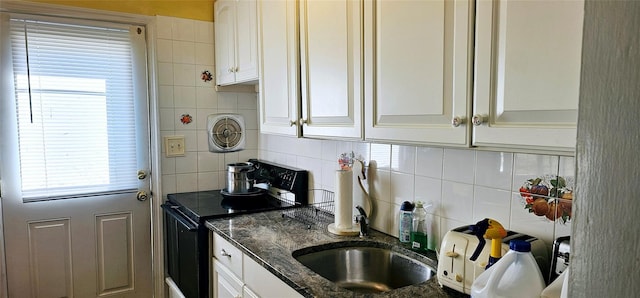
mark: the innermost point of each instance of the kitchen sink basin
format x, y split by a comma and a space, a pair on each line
365, 267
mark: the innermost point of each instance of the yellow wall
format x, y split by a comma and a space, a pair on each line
189, 9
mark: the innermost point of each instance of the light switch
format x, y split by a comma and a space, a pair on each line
174, 146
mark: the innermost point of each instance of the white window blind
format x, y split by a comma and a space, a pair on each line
75, 108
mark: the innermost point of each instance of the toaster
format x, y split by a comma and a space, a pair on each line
457, 271
560, 257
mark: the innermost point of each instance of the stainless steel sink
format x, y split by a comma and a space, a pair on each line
365, 267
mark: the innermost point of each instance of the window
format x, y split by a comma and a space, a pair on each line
75, 99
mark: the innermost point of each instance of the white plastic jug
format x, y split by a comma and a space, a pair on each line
516, 274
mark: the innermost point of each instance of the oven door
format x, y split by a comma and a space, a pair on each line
183, 253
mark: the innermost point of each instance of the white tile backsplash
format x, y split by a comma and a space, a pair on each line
184, 97
185, 49
403, 159
429, 162
492, 203
494, 169
164, 50
184, 52
203, 32
184, 74
457, 201
183, 29
459, 165
463, 185
402, 187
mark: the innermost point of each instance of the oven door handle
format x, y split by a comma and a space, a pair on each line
184, 221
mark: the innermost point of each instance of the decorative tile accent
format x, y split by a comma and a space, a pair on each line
206, 76
186, 119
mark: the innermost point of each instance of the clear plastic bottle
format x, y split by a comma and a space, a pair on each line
516, 274
419, 228
406, 220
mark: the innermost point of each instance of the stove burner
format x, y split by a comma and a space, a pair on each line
253, 193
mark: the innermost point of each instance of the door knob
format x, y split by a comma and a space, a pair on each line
478, 119
457, 121
142, 174
142, 196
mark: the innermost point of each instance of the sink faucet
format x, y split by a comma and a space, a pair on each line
363, 220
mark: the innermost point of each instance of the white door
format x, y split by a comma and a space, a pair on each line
74, 130
279, 67
528, 57
331, 68
418, 62
246, 47
225, 27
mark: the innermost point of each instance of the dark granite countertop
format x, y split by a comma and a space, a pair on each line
269, 239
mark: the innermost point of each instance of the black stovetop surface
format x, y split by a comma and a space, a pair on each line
202, 205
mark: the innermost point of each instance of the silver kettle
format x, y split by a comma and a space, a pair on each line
237, 180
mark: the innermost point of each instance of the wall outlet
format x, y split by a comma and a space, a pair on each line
174, 146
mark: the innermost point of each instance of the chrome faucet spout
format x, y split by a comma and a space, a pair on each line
363, 220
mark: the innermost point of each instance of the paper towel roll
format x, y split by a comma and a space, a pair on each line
344, 199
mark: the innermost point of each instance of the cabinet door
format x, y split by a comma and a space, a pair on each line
279, 67
417, 57
225, 41
226, 285
247, 293
331, 77
263, 283
528, 73
246, 41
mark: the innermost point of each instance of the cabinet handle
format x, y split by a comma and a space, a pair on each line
304, 121
478, 119
230, 70
235, 69
225, 253
457, 121
293, 123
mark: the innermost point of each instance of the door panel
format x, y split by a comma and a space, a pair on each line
419, 58
50, 252
527, 78
115, 252
88, 245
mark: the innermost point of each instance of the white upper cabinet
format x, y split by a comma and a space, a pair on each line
279, 95
418, 71
236, 43
527, 74
331, 68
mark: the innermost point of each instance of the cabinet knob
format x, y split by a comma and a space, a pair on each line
478, 119
304, 121
224, 253
230, 70
293, 123
457, 121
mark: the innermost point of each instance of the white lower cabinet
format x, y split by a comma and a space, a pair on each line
235, 275
225, 283
265, 284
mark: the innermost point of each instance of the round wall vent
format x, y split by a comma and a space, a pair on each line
226, 132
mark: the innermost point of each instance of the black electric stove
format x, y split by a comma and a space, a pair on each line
202, 205
187, 238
